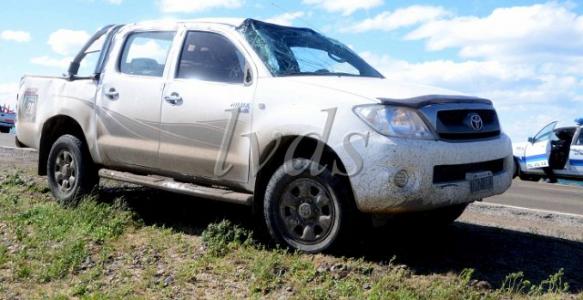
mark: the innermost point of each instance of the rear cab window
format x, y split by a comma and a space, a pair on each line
146, 53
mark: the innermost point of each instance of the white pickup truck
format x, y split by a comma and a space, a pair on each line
285, 120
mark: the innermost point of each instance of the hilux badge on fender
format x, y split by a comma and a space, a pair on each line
475, 121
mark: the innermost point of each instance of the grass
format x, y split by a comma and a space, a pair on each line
104, 251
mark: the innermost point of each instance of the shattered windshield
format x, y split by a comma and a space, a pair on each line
288, 51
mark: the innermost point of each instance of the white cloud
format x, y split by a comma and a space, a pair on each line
527, 59
190, 6
408, 16
542, 31
15, 36
67, 42
286, 19
346, 7
526, 95
8, 94
47, 61
465, 76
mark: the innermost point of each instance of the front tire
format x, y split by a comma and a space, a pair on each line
527, 177
310, 213
71, 172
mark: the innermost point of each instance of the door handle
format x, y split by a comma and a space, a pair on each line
112, 94
174, 99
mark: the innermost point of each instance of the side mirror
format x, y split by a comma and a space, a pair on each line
531, 140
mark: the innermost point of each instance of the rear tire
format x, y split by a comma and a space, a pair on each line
310, 213
71, 172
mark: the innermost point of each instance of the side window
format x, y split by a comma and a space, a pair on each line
88, 64
145, 53
547, 133
211, 57
580, 139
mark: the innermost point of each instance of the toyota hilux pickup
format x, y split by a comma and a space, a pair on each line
285, 120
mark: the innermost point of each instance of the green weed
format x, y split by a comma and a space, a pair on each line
221, 238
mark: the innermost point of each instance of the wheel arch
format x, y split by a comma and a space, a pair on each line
52, 129
273, 155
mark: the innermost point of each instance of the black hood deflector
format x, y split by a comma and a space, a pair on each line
418, 102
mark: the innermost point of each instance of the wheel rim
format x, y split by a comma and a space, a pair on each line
65, 171
306, 211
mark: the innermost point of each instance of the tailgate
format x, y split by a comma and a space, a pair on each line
34, 105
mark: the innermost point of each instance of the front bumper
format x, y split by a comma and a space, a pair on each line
374, 186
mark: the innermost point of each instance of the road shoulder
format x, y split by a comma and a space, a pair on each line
541, 222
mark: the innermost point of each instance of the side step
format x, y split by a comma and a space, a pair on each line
168, 184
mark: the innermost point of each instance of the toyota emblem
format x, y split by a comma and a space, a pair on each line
476, 121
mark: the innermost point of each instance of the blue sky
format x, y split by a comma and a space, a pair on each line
527, 56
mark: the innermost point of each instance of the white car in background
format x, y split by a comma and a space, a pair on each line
560, 149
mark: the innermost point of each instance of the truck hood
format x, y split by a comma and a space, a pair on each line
375, 88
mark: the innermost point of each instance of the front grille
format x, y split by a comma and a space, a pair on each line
456, 124
469, 136
450, 173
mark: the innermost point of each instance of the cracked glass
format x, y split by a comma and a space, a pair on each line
289, 51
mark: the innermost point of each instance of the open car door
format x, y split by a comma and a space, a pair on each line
538, 150
576, 153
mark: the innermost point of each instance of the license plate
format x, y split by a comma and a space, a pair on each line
480, 181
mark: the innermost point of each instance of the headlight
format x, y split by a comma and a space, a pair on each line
394, 121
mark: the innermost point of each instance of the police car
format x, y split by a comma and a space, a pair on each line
560, 149
7, 118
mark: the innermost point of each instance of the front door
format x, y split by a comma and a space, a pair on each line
575, 164
206, 110
129, 101
538, 150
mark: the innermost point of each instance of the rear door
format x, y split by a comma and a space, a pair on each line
129, 100
538, 150
201, 136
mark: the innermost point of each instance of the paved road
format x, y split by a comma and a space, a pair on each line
537, 195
